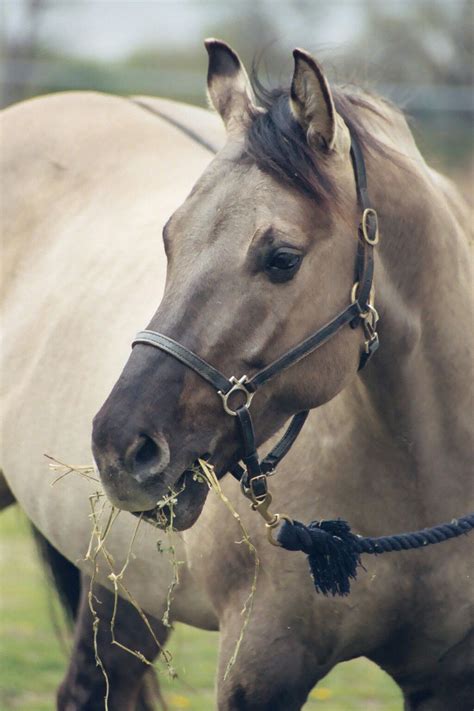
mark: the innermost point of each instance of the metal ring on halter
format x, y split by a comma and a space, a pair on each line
370, 305
373, 314
237, 385
370, 212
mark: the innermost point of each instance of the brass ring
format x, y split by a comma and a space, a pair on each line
369, 211
365, 314
354, 292
237, 385
274, 524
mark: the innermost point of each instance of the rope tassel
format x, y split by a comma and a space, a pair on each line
331, 549
334, 551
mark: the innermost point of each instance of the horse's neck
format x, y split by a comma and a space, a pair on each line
416, 392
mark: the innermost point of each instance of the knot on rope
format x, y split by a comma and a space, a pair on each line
332, 552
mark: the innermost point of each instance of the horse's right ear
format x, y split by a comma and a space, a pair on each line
228, 86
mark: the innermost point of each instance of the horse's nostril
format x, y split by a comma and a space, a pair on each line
147, 452
147, 457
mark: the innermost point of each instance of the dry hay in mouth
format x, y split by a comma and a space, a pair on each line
202, 471
159, 517
103, 517
206, 472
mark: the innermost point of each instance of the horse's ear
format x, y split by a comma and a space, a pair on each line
228, 86
312, 104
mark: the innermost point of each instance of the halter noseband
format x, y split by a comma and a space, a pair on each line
361, 311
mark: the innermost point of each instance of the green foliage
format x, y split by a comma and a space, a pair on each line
32, 661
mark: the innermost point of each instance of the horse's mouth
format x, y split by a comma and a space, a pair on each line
181, 507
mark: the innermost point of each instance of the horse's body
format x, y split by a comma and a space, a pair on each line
72, 165
389, 453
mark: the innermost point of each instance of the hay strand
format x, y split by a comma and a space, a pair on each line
209, 475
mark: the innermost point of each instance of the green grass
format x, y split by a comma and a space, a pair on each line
32, 661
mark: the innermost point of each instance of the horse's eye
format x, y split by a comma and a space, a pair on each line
283, 263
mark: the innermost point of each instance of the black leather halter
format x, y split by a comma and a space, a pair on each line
360, 311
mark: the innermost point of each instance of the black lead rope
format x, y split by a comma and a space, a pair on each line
333, 550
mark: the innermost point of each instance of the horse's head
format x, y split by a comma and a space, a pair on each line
260, 255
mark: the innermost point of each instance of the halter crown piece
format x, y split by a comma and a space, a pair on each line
333, 550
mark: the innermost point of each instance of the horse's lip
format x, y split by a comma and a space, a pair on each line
160, 515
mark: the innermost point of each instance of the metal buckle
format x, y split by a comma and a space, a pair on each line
261, 504
371, 317
370, 320
255, 489
370, 212
236, 385
372, 344
258, 488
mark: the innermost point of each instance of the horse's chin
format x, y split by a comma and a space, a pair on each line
185, 508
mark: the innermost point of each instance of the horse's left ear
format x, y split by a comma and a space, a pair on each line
228, 86
313, 107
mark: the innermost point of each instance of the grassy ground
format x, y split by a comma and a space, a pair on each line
32, 661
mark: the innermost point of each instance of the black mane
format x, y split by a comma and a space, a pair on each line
277, 144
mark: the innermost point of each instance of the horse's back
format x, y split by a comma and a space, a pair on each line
62, 150
89, 181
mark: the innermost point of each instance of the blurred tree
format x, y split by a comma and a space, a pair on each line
430, 43
418, 51
423, 60
18, 53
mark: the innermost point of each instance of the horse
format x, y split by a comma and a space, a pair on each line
260, 254
59, 240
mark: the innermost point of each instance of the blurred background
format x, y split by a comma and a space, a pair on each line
416, 52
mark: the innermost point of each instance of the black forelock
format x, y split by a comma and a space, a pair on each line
277, 144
